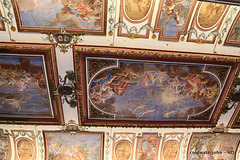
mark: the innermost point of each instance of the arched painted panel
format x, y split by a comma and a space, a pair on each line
137, 10
123, 150
25, 149
170, 150
210, 14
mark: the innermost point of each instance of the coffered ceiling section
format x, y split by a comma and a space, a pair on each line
50, 15
139, 63
121, 87
27, 81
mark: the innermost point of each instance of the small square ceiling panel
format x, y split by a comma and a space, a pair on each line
151, 88
50, 15
28, 77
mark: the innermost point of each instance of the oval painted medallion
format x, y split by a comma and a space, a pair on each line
123, 151
137, 9
210, 14
170, 150
25, 149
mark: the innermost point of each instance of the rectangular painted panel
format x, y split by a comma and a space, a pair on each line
49, 15
212, 146
62, 145
135, 90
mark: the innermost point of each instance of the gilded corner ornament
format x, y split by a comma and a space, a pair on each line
219, 129
63, 40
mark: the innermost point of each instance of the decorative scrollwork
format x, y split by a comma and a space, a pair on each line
9, 18
23, 133
185, 144
68, 89
173, 135
72, 127
219, 129
63, 40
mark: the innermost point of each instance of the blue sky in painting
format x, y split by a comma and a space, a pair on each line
14, 60
45, 15
90, 139
34, 100
165, 104
170, 30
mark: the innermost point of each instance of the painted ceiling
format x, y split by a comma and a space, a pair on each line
124, 79
147, 63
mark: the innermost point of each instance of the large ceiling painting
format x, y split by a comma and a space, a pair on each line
81, 16
233, 37
26, 85
157, 91
173, 18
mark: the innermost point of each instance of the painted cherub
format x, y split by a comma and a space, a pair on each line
169, 10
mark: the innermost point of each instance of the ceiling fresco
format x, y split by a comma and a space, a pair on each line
209, 144
139, 90
25, 148
26, 82
173, 18
75, 16
208, 18
156, 91
135, 12
119, 79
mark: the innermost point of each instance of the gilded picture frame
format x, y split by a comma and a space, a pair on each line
29, 78
101, 110
59, 144
50, 16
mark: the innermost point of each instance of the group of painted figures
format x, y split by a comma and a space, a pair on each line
176, 82
20, 76
57, 151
